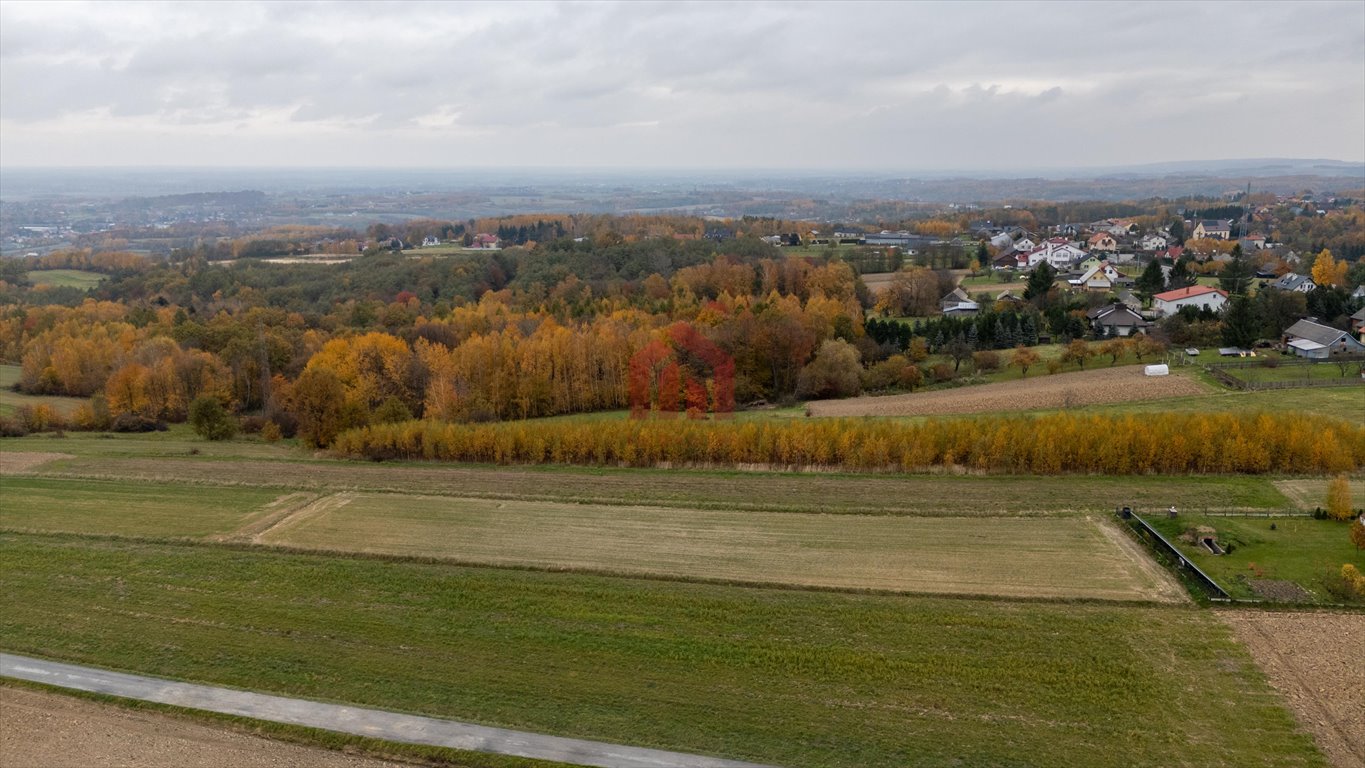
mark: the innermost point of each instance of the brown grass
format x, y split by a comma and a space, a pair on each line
1007, 556
1314, 660
1038, 391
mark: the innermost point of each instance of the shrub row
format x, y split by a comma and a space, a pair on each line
1050, 444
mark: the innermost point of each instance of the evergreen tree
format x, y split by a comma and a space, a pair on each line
1151, 281
1040, 281
1180, 275
1029, 332
1240, 325
1236, 275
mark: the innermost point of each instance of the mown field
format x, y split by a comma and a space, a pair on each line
1022, 557
1300, 549
777, 676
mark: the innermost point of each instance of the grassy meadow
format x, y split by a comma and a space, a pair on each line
777, 676
65, 278
10, 400
1299, 549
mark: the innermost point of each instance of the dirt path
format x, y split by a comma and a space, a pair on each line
300, 513
56, 731
1063, 390
273, 513
1317, 660
18, 462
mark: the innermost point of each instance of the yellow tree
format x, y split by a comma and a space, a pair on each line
1339, 498
1327, 270
1358, 533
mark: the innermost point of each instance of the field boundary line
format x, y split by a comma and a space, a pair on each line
283, 506
293, 517
360, 721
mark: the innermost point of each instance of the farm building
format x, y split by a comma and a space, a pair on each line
1170, 302
1319, 342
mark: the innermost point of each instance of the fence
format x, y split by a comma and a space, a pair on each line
1220, 372
1158, 542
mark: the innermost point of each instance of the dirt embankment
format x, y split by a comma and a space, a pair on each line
1315, 660
1040, 390
56, 731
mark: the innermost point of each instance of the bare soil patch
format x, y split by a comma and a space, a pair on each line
19, 462
1314, 660
56, 731
1041, 391
1280, 591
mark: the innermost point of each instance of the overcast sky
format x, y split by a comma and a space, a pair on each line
887, 85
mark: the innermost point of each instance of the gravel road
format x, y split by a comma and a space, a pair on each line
391, 726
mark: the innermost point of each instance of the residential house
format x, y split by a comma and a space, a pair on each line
486, 241
429, 241
1007, 297
1002, 240
1170, 302
1213, 230
1319, 342
1359, 292
1293, 281
1129, 300
958, 303
1024, 244
1153, 242
1116, 319
1358, 323
1100, 277
1057, 252
1252, 243
1103, 241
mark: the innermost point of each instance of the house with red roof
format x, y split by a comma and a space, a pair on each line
1198, 296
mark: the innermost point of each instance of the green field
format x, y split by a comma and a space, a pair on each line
162, 459
1300, 549
65, 278
10, 400
785, 677
1313, 372
126, 507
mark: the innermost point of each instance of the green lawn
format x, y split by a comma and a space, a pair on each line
10, 400
126, 507
776, 676
65, 278
1340, 402
1300, 549
1313, 372
179, 440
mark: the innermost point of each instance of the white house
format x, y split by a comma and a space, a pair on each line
1294, 282
1153, 243
1199, 296
429, 241
1024, 244
1057, 252
1319, 342
1002, 240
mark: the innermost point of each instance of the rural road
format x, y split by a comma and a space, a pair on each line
391, 726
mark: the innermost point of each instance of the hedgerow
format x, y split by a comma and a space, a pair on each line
1051, 444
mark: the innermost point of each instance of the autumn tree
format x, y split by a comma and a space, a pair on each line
1339, 498
833, 373
1358, 533
1114, 349
1023, 359
319, 403
1077, 352
1328, 271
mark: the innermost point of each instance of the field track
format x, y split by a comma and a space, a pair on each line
1039, 391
